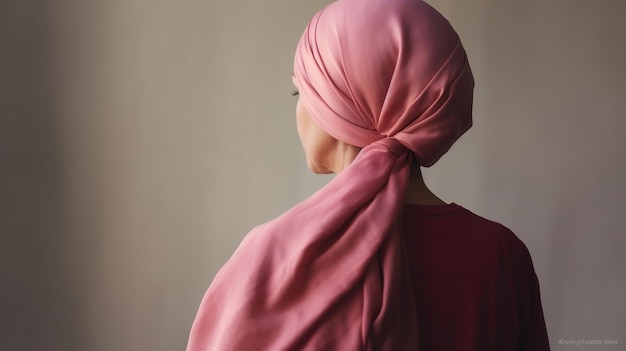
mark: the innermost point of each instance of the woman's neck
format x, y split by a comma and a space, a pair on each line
417, 192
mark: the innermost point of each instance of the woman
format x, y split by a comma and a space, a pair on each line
374, 260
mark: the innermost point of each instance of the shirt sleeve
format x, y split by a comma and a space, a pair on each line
535, 336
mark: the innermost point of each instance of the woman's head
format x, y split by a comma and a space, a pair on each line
373, 69
324, 153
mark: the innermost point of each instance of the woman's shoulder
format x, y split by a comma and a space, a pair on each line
477, 231
500, 232
503, 243
455, 216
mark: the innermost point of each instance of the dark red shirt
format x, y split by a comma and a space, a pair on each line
474, 282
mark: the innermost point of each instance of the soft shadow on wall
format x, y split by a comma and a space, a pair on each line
39, 297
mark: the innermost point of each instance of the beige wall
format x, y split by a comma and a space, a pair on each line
140, 140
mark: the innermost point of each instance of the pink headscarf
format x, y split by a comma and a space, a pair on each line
389, 76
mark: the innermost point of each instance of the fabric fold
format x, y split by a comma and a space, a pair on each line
315, 277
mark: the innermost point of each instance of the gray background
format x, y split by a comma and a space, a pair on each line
140, 140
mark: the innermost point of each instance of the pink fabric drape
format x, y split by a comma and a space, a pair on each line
389, 76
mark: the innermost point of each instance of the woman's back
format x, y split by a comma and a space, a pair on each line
474, 282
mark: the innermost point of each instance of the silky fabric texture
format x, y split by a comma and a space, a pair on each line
391, 77
371, 69
310, 279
